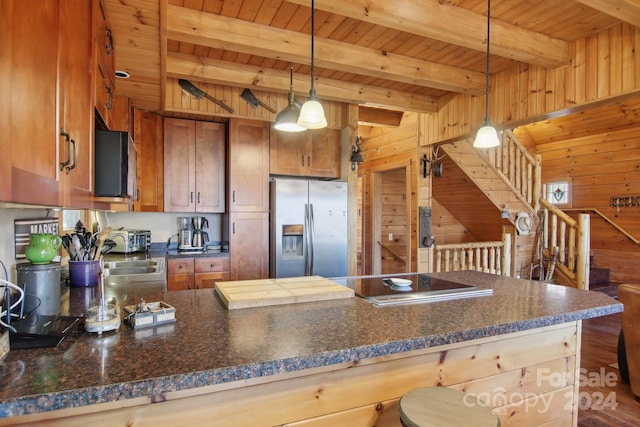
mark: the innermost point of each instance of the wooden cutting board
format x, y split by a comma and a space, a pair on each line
291, 290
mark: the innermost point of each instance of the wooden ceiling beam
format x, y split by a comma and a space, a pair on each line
368, 116
206, 29
625, 10
237, 75
439, 20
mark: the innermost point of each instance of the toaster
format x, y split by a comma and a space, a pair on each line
128, 241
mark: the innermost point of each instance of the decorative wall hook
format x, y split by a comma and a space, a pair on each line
434, 165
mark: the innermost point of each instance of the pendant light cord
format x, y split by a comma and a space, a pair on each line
312, 91
290, 77
486, 100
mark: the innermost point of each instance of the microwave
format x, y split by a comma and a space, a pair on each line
115, 164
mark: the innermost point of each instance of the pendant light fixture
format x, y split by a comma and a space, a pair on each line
287, 119
312, 113
487, 136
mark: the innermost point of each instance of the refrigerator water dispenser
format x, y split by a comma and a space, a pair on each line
292, 238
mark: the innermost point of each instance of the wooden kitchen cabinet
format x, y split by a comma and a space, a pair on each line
247, 228
248, 166
196, 273
194, 166
312, 153
248, 245
104, 66
210, 270
147, 134
46, 92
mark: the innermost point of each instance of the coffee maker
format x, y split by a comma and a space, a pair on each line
185, 233
191, 236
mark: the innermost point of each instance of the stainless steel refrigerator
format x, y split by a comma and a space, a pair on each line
308, 228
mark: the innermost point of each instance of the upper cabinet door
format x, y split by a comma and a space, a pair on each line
210, 167
75, 102
148, 139
288, 153
324, 149
28, 106
179, 165
248, 166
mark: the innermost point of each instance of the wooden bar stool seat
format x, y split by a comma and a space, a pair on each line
441, 406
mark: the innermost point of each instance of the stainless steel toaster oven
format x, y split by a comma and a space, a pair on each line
128, 241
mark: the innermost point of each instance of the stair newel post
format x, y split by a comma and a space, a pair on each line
582, 265
506, 254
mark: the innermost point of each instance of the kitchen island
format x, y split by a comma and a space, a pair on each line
342, 362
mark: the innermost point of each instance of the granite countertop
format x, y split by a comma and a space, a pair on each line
209, 344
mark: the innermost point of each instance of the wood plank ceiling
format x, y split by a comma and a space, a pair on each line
389, 54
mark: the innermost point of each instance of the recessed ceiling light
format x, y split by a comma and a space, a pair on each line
122, 74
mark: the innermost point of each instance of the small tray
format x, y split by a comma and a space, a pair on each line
159, 313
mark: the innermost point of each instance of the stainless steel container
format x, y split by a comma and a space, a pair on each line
41, 286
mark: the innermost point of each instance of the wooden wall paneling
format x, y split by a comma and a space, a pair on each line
578, 72
615, 56
604, 65
592, 71
394, 222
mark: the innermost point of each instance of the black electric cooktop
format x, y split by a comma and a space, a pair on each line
410, 288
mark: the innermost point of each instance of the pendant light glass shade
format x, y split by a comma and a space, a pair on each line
487, 136
312, 113
287, 119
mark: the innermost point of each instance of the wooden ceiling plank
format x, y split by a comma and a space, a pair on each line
625, 10
451, 24
227, 73
226, 33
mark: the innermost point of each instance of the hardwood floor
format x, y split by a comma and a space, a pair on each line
604, 399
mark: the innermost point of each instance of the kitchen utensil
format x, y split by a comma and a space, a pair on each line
66, 244
251, 99
75, 241
196, 92
264, 292
100, 242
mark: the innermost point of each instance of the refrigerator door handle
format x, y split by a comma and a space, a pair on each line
311, 238
305, 249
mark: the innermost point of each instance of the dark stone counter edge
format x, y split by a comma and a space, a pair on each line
158, 386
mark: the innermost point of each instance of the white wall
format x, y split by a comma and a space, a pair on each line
162, 225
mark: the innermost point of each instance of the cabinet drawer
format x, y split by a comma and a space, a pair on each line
180, 265
208, 280
204, 265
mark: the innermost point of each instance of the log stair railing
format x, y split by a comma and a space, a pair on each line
488, 257
567, 240
608, 220
517, 167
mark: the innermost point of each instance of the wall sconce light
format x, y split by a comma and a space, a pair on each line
356, 155
434, 165
504, 213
